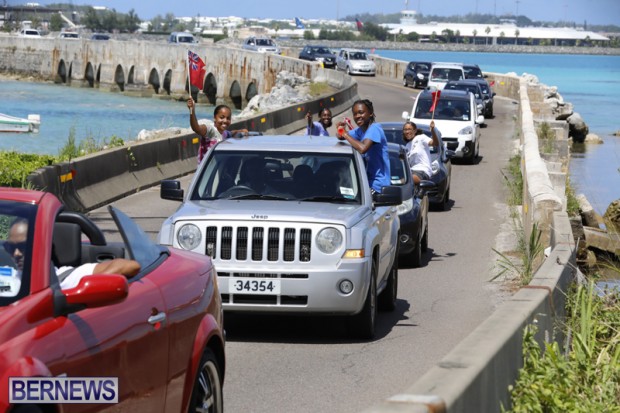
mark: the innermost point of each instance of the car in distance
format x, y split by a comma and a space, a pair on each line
159, 332
472, 86
261, 44
292, 227
456, 116
416, 74
441, 164
182, 37
441, 73
319, 54
33, 33
473, 72
69, 35
355, 62
412, 212
100, 36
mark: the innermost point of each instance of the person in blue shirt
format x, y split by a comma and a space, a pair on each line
369, 140
319, 128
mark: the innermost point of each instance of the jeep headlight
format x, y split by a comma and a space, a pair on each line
406, 206
320, 59
329, 240
420, 76
466, 131
435, 166
189, 236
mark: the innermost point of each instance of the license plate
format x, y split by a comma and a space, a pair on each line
253, 286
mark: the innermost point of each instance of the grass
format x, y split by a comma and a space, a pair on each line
319, 88
546, 136
523, 266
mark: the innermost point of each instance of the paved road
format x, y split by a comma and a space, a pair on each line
284, 364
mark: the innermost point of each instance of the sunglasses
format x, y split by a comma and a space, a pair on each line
10, 247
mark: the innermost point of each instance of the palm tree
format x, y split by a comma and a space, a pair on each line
517, 36
457, 34
475, 33
487, 31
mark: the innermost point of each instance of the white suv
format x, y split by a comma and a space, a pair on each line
456, 116
441, 73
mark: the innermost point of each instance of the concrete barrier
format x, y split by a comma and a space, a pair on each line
475, 375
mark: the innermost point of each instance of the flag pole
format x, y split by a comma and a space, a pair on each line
189, 83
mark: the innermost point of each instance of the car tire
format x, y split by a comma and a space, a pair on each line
348, 71
405, 84
446, 200
207, 395
414, 258
364, 322
27, 408
387, 299
424, 242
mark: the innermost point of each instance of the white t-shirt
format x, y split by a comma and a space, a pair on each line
419, 154
74, 278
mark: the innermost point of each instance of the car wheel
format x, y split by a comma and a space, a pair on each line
364, 322
27, 408
414, 259
387, 299
348, 71
424, 242
446, 200
207, 395
405, 84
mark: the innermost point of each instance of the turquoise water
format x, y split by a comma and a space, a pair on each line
591, 83
88, 112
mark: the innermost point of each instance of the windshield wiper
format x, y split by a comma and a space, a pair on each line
260, 196
325, 198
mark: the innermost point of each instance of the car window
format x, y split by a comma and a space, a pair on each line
422, 66
398, 169
358, 56
323, 50
285, 176
447, 109
472, 72
17, 222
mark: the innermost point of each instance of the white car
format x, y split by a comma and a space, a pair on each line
29, 33
261, 45
355, 62
441, 73
456, 115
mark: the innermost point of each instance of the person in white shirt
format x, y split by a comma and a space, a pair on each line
418, 150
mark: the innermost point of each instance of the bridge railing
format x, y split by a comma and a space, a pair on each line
475, 375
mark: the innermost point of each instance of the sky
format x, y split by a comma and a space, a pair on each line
578, 11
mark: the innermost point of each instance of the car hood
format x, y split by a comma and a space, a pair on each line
269, 211
448, 128
325, 55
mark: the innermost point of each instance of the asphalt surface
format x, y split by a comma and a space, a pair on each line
309, 364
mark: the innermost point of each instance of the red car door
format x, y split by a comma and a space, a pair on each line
128, 340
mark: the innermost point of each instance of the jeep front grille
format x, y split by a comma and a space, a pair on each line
265, 243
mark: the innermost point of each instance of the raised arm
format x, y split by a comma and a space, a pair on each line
193, 122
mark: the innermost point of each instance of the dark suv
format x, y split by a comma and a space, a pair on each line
473, 72
319, 54
416, 74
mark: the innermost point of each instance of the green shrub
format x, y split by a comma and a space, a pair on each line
15, 167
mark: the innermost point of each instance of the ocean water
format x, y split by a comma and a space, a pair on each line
591, 83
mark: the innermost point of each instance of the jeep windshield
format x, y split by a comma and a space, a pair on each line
286, 176
447, 109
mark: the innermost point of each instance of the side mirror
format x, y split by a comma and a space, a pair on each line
171, 190
97, 291
450, 154
424, 188
405, 115
494, 94
389, 196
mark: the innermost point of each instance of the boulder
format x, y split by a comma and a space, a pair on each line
612, 216
577, 128
588, 215
593, 138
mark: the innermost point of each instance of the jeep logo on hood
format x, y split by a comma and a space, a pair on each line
257, 216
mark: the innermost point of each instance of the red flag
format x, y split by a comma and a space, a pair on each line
436, 94
492, 83
359, 24
196, 70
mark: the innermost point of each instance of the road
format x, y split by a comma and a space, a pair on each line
289, 364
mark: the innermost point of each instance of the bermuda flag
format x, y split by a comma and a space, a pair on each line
196, 70
436, 94
359, 24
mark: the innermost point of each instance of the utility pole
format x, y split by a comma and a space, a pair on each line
517, 3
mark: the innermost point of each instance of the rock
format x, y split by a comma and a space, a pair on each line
588, 215
577, 128
616, 133
612, 216
602, 240
593, 138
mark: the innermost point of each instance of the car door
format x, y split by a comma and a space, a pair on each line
128, 340
384, 218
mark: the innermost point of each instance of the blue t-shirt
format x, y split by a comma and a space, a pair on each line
377, 158
317, 129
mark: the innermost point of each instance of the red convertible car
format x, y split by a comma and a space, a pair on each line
160, 332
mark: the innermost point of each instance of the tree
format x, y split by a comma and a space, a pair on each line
517, 36
308, 35
413, 37
56, 22
374, 31
501, 37
475, 33
448, 34
487, 31
457, 34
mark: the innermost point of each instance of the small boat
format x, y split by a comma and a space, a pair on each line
13, 124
